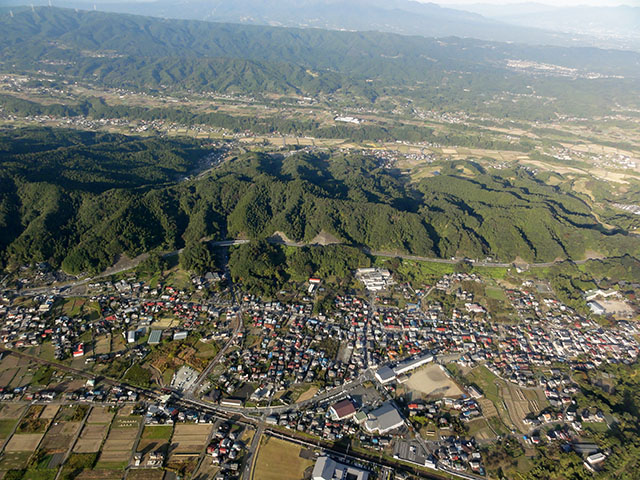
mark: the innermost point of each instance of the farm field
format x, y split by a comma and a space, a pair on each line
511, 403
59, 436
432, 381
24, 442
50, 411
91, 438
154, 438
279, 460
100, 415
189, 439
14, 460
187, 443
118, 446
146, 474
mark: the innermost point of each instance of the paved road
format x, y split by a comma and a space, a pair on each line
239, 319
252, 453
231, 242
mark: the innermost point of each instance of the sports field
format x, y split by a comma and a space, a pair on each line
432, 381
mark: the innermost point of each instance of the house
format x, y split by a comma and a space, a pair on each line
342, 410
385, 375
79, 350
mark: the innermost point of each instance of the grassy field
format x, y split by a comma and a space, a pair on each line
279, 460
157, 432
496, 293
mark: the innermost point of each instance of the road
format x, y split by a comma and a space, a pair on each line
242, 417
239, 319
252, 452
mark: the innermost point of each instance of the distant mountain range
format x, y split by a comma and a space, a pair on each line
394, 16
620, 25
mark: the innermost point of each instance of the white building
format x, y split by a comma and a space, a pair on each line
328, 469
374, 279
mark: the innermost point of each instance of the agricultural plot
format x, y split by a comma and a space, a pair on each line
153, 439
432, 381
189, 439
71, 413
9, 416
14, 460
99, 475
103, 344
511, 404
59, 437
118, 446
91, 438
100, 415
33, 422
24, 442
50, 412
280, 460
146, 474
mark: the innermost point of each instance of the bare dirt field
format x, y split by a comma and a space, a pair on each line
434, 382
6, 376
11, 411
50, 411
100, 415
99, 475
103, 345
59, 437
308, 395
189, 439
24, 442
91, 438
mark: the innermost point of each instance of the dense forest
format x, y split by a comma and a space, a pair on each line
79, 199
452, 74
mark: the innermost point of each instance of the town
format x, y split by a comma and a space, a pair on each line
190, 376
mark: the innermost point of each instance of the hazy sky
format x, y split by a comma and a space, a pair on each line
556, 3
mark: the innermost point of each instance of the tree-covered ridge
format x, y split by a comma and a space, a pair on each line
126, 201
92, 161
145, 53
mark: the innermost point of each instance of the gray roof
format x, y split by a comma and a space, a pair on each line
155, 336
328, 469
384, 419
385, 374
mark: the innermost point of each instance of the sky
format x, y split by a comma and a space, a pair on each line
555, 3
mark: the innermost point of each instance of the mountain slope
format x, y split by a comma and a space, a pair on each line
398, 16
74, 199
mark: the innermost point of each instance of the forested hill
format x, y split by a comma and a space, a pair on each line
58, 205
123, 50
